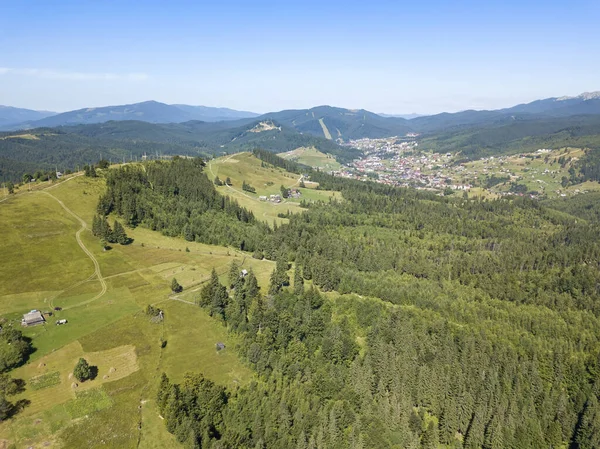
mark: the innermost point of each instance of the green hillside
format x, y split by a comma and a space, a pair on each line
395, 317
312, 158
511, 136
44, 267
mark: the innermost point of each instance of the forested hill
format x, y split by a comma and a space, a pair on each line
67, 147
477, 323
512, 135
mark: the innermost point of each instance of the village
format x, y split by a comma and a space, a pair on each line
398, 161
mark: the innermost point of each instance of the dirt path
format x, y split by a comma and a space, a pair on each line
85, 250
36, 189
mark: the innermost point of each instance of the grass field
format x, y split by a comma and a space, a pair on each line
267, 181
313, 158
43, 266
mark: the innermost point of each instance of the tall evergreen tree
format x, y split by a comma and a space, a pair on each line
234, 273
588, 432
119, 235
175, 287
298, 280
251, 285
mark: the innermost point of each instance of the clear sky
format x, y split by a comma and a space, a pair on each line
422, 56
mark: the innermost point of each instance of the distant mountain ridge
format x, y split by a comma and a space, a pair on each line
329, 122
147, 111
11, 116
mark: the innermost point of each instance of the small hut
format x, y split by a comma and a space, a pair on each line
33, 318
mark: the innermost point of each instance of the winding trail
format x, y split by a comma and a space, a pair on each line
97, 272
36, 189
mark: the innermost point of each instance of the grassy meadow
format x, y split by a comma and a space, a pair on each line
313, 158
267, 180
44, 267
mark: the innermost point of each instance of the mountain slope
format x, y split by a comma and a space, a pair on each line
210, 114
586, 103
11, 116
148, 111
518, 135
340, 123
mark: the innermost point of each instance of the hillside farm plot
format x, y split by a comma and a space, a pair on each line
541, 172
313, 158
241, 167
267, 180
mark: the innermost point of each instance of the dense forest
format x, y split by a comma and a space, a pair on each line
68, 147
465, 323
511, 135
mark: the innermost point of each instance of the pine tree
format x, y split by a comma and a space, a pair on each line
107, 232
284, 191
251, 286
175, 287
96, 226
234, 273
207, 292
588, 432
279, 277
298, 280
219, 302
118, 234
163, 392
430, 438
274, 285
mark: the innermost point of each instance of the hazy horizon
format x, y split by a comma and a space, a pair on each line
390, 58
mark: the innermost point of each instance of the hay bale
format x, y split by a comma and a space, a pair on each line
41, 365
74, 385
70, 376
105, 377
112, 370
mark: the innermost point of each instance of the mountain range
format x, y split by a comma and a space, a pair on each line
153, 128
147, 111
12, 117
324, 121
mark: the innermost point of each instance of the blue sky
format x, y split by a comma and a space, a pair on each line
385, 56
